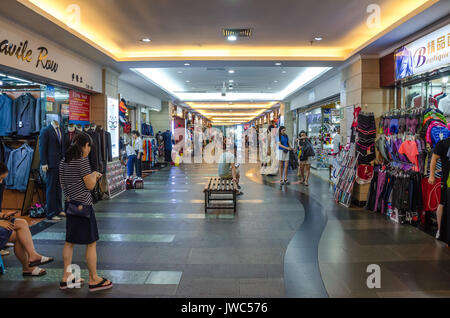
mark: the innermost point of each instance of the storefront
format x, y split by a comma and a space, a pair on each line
41, 85
394, 180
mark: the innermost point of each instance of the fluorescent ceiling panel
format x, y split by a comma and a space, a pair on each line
169, 84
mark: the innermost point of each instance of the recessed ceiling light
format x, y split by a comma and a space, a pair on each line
269, 88
179, 72
231, 81
232, 38
188, 81
278, 64
275, 81
231, 71
318, 38
284, 72
146, 40
187, 64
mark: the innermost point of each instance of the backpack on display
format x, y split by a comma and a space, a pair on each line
129, 184
138, 184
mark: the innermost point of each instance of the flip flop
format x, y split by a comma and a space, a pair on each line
63, 285
44, 260
100, 286
35, 272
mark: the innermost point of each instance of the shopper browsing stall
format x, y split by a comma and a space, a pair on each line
138, 149
77, 180
283, 154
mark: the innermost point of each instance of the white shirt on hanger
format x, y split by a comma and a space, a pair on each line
444, 105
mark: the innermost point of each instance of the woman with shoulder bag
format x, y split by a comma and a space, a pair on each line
283, 154
77, 181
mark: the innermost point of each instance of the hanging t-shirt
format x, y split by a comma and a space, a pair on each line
409, 148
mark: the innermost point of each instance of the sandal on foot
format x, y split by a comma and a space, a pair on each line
286, 181
63, 285
44, 260
35, 272
100, 286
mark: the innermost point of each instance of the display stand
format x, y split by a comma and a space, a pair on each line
346, 178
116, 178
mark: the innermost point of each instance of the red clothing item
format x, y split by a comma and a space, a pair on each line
431, 194
355, 116
409, 148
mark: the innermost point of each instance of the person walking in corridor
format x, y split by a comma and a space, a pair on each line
77, 181
306, 151
283, 154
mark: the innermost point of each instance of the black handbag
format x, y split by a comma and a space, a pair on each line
78, 209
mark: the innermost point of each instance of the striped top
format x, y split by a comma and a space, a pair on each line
71, 178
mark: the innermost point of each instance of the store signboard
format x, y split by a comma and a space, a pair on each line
113, 124
424, 55
29, 52
79, 107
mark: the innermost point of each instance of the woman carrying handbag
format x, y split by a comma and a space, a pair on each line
77, 181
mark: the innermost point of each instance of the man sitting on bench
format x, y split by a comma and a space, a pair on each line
227, 168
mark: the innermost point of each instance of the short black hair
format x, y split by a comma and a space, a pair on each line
3, 168
303, 132
135, 132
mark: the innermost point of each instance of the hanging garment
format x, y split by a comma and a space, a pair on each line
24, 115
19, 166
95, 157
6, 111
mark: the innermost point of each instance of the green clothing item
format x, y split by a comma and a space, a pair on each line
381, 145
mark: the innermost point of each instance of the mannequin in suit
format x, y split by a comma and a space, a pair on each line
51, 153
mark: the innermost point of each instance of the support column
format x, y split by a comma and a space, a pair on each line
99, 101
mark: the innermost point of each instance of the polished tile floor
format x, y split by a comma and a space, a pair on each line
283, 242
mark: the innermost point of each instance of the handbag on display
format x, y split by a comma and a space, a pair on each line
37, 211
78, 209
138, 184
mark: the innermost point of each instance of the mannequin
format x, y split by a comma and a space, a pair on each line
51, 147
78, 127
69, 135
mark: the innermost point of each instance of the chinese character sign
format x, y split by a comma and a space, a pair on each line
79, 107
424, 55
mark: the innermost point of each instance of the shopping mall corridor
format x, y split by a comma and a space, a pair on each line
289, 242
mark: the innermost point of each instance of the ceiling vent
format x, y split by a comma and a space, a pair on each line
240, 33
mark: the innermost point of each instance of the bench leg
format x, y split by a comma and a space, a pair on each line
234, 201
206, 201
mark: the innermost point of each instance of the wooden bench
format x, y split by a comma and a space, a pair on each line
217, 185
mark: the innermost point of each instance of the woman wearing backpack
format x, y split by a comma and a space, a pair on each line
306, 151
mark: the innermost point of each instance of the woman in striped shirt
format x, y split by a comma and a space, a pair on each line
77, 181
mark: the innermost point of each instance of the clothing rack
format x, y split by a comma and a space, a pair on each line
27, 196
